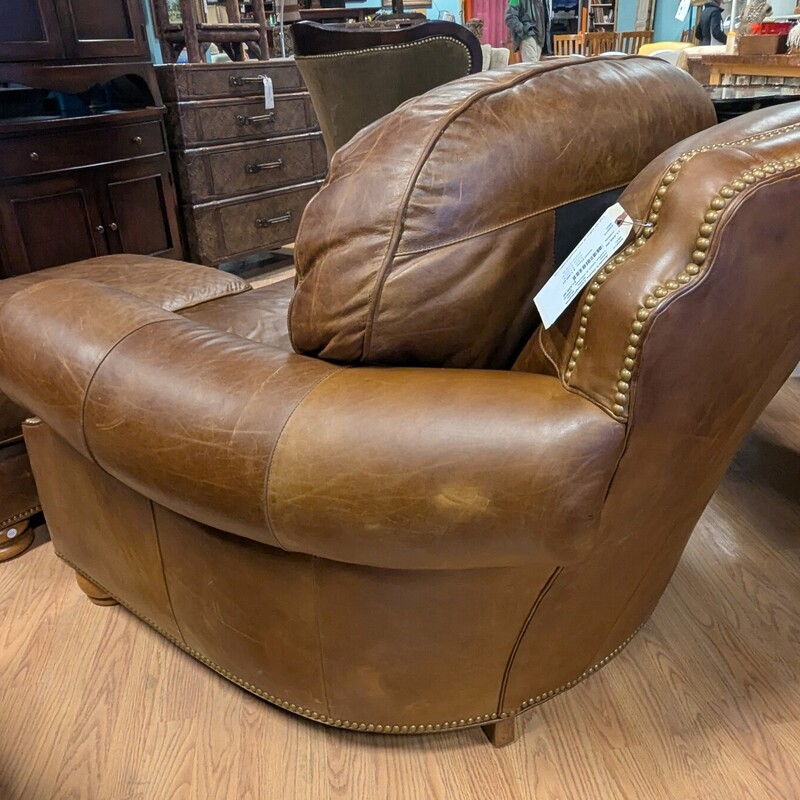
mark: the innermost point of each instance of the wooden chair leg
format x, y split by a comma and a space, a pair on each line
15, 539
502, 732
95, 594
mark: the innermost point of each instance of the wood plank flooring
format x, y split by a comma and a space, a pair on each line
704, 703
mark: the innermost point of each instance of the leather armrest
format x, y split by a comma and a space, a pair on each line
407, 468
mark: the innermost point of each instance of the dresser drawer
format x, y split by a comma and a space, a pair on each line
206, 81
226, 230
219, 121
207, 173
48, 152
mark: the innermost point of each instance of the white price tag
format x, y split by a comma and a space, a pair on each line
269, 93
604, 239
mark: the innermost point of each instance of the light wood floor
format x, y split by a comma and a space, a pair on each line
705, 703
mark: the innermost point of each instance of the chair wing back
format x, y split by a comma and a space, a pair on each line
357, 76
438, 224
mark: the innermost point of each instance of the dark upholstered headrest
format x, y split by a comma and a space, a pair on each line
436, 225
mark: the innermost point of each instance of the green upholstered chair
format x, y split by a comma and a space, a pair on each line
356, 75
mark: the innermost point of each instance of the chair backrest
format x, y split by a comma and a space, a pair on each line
630, 41
570, 44
597, 43
420, 250
356, 75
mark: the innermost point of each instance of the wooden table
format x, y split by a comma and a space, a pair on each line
759, 66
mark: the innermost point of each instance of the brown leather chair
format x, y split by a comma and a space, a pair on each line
433, 514
357, 75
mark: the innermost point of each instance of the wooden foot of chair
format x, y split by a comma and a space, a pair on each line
95, 594
502, 732
15, 539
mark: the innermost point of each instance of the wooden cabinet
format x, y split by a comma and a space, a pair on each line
80, 190
102, 28
84, 165
71, 29
29, 30
47, 222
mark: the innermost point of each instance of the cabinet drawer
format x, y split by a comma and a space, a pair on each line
226, 230
212, 172
204, 81
48, 152
219, 121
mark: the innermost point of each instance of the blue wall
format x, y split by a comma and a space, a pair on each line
626, 15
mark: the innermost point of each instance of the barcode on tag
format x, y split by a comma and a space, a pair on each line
604, 239
269, 93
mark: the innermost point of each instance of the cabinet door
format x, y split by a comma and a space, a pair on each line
140, 208
29, 30
48, 222
102, 28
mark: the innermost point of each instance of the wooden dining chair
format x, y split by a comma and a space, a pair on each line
630, 41
568, 44
597, 43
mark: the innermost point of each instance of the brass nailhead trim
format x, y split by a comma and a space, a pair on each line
481, 719
745, 181
711, 217
29, 512
383, 47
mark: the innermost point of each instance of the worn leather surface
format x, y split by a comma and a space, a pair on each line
664, 255
401, 549
172, 285
255, 462
259, 315
434, 229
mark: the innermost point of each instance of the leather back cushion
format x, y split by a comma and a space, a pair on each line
436, 225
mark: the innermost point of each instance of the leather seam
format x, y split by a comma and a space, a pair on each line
91, 383
315, 565
470, 722
543, 592
511, 223
164, 572
267, 477
399, 221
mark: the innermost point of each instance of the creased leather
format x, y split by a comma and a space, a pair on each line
434, 229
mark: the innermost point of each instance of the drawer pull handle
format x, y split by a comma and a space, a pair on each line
34, 156
113, 226
252, 169
99, 228
265, 223
235, 80
243, 120
136, 140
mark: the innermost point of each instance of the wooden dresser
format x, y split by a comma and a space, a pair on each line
84, 165
245, 173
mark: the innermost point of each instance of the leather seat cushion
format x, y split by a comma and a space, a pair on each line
435, 226
259, 315
173, 285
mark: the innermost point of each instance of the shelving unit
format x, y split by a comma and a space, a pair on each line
602, 17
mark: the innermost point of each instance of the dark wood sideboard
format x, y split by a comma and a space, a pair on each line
245, 173
84, 164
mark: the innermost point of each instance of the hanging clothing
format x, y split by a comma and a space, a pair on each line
709, 28
528, 19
